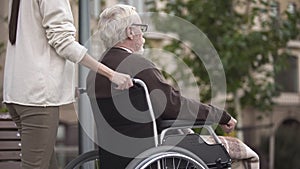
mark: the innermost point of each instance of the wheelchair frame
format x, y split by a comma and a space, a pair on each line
159, 154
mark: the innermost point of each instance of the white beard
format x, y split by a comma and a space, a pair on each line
140, 51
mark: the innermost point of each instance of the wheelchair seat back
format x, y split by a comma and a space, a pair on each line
128, 115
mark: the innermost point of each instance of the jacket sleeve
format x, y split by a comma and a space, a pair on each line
170, 104
57, 19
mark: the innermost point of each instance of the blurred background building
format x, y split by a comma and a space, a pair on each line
272, 136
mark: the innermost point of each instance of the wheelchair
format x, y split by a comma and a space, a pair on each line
181, 150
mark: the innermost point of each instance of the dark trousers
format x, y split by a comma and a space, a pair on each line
38, 129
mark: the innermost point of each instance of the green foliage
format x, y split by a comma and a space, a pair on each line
3, 110
250, 56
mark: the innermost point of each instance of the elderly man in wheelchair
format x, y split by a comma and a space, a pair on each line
126, 129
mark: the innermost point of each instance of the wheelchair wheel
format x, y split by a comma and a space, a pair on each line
88, 158
167, 157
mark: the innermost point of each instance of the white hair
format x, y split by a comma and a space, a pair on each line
113, 23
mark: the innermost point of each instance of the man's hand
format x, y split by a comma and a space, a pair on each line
123, 81
229, 126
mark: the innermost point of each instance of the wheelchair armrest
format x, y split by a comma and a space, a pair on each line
167, 125
183, 123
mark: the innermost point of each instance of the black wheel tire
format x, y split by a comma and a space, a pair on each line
152, 155
83, 158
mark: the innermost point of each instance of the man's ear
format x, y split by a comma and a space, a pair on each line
129, 32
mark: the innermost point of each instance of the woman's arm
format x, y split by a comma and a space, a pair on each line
123, 81
57, 19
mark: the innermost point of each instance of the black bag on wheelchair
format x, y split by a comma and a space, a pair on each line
214, 156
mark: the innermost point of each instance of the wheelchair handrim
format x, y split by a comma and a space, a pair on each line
162, 155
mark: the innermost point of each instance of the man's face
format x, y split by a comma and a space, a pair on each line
138, 39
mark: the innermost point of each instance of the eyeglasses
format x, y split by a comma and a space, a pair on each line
143, 27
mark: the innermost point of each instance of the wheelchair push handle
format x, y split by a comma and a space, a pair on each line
155, 131
137, 81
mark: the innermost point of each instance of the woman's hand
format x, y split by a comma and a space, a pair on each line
123, 81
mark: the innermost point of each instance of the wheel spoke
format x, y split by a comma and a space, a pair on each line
173, 161
187, 164
178, 164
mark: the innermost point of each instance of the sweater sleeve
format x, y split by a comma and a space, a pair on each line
170, 104
57, 19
